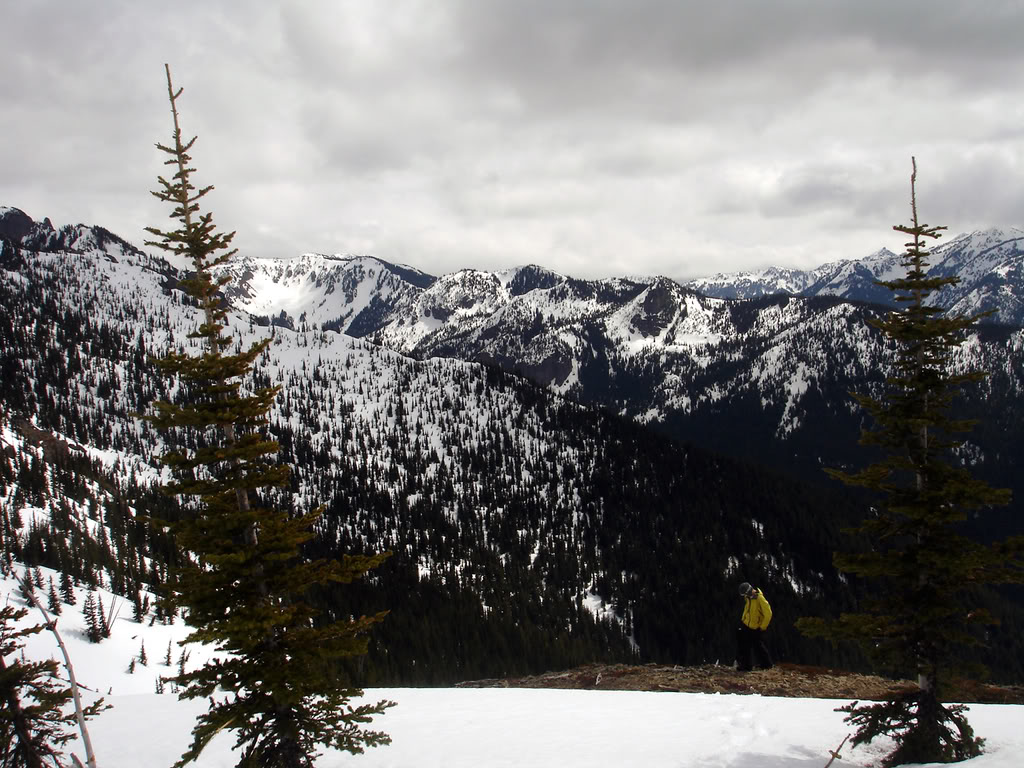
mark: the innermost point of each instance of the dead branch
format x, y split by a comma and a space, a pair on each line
51, 624
835, 753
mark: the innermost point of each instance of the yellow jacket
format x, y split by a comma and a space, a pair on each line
757, 614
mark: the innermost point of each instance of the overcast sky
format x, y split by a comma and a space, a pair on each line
593, 137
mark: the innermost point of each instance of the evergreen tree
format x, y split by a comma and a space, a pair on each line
103, 619
247, 594
67, 589
33, 720
138, 610
924, 572
53, 602
93, 622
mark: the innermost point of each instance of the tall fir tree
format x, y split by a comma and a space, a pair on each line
246, 593
924, 572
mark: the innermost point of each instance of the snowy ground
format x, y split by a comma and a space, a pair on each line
470, 728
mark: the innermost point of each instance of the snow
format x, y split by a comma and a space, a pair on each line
494, 727
456, 727
597, 606
468, 728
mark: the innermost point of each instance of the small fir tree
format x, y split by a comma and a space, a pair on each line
247, 593
182, 661
138, 609
52, 600
924, 571
103, 617
67, 589
34, 719
93, 624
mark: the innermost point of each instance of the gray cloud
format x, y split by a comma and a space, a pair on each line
596, 138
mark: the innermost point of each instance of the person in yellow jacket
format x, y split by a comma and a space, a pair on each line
757, 615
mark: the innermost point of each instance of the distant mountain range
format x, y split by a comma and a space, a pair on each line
989, 264
754, 376
514, 437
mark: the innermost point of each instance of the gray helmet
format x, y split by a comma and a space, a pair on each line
745, 589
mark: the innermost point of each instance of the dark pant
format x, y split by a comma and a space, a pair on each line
750, 642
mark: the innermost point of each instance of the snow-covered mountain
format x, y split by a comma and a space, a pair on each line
851, 279
989, 264
18, 229
537, 525
750, 377
755, 378
350, 294
531, 515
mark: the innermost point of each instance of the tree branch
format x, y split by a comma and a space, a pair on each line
51, 624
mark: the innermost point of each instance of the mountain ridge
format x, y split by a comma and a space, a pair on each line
547, 531
495, 432
989, 264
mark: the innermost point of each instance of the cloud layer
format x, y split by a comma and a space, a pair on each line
596, 138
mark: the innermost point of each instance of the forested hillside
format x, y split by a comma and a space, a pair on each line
528, 531
765, 380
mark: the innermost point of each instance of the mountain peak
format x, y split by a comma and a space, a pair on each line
987, 262
531, 277
18, 227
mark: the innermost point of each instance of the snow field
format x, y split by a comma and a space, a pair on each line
477, 728
509, 728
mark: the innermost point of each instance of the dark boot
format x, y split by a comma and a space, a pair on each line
744, 648
764, 658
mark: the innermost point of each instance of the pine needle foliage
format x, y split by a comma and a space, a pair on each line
274, 681
34, 700
924, 573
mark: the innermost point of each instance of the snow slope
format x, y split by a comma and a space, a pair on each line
496, 727
469, 728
